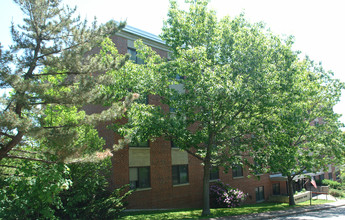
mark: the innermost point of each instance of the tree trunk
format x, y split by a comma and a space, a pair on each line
290, 187
206, 184
8, 147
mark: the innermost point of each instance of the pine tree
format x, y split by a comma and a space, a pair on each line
51, 72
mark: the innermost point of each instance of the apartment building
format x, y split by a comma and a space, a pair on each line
162, 175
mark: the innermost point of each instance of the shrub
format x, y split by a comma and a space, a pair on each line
302, 191
332, 184
90, 197
224, 196
32, 191
336, 193
318, 182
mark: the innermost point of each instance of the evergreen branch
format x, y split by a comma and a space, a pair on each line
56, 73
32, 152
59, 51
24, 151
7, 135
8, 106
53, 127
31, 159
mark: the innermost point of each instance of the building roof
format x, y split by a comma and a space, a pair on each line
142, 33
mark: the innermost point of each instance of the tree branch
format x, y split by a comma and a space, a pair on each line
33, 159
8, 166
56, 73
195, 155
7, 135
24, 151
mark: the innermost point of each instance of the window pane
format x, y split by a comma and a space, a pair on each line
139, 60
237, 171
144, 177
257, 194
133, 174
214, 173
276, 189
132, 53
183, 174
262, 193
175, 175
240, 170
133, 178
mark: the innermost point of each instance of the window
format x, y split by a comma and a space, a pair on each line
237, 171
337, 175
330, 176
214, 173
259, 193
179, 174
173, 145
139, 177
134, 56
136, 143
322, 177
276, 188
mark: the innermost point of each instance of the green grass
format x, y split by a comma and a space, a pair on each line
196, 213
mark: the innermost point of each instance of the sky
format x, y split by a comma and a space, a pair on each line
317, 25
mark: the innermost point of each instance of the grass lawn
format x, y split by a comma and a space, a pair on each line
196, 213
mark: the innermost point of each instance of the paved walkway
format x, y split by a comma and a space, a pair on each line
292, 211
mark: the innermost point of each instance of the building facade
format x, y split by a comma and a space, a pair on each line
164, 176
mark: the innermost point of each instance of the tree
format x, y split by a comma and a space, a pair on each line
301, 132
51, 73
226, 71
56, 68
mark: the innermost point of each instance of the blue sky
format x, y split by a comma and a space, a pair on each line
318, 25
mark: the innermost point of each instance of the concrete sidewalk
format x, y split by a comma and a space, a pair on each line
292, 211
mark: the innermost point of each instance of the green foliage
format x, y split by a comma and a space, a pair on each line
302, 191
331, 183
89, 196
224, 77
52, 76
337, 193
32, 191
301, 132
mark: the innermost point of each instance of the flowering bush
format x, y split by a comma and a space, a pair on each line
224, 196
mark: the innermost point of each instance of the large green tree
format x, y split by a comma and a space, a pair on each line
50, 73
220, 78
302, 133
54, 70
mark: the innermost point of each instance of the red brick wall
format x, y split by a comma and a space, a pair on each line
120, 43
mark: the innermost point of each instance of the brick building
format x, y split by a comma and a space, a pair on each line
164, 176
